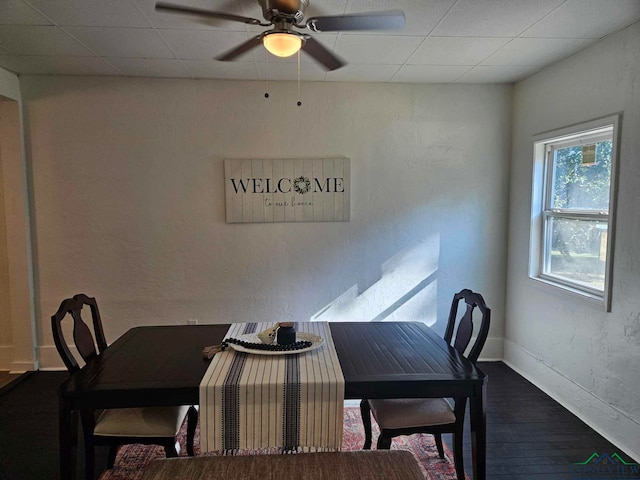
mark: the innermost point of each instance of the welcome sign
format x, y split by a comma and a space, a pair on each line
287, 190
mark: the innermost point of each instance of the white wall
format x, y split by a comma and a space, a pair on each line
16, 284
586, 358
129, 200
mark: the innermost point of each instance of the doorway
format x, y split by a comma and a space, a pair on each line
17, 342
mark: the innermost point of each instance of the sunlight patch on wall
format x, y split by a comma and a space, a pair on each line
406, 291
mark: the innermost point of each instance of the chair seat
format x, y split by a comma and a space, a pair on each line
141, 422
411, 412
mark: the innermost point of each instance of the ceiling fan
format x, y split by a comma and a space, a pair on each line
284, 16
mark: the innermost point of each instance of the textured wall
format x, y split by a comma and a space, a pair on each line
129, 200
583, 356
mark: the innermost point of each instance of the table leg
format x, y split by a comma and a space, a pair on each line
478, 415
65, 437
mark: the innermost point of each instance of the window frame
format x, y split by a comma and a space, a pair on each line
542, 211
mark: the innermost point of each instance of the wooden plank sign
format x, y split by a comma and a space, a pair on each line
287, 190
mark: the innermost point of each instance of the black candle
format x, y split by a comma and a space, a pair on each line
286, 334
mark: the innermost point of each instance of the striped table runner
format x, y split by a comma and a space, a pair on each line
292, 402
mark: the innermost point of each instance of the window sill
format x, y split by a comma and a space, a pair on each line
568, 293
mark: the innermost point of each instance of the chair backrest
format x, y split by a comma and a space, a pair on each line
82, 336
465, 326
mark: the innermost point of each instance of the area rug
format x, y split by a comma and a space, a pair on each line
132, 459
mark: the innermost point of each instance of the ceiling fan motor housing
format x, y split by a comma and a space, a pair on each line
290, 11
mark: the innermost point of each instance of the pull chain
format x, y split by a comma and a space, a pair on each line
299, 102
266, 72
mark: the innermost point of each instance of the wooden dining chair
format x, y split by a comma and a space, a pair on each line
407, 416
120, 426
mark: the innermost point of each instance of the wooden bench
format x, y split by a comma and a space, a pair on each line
361, 465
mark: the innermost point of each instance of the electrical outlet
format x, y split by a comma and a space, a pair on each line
192, 321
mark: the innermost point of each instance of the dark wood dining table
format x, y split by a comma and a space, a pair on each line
163, 365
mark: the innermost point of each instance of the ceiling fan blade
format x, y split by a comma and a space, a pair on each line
388, 19
240, 49
172, 8
321, 55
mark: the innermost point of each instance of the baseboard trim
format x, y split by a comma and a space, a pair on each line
49, 358
614, 425
22, 367
7, 362
6, 356
493, 349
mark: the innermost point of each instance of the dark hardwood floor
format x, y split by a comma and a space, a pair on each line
530, 436
9, 380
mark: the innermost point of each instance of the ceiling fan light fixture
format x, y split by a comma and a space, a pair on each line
282, 44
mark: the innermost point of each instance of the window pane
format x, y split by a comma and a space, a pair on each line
580, 183
578, 251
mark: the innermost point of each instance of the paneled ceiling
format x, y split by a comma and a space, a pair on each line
444, 41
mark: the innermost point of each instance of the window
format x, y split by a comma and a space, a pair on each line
573, 205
